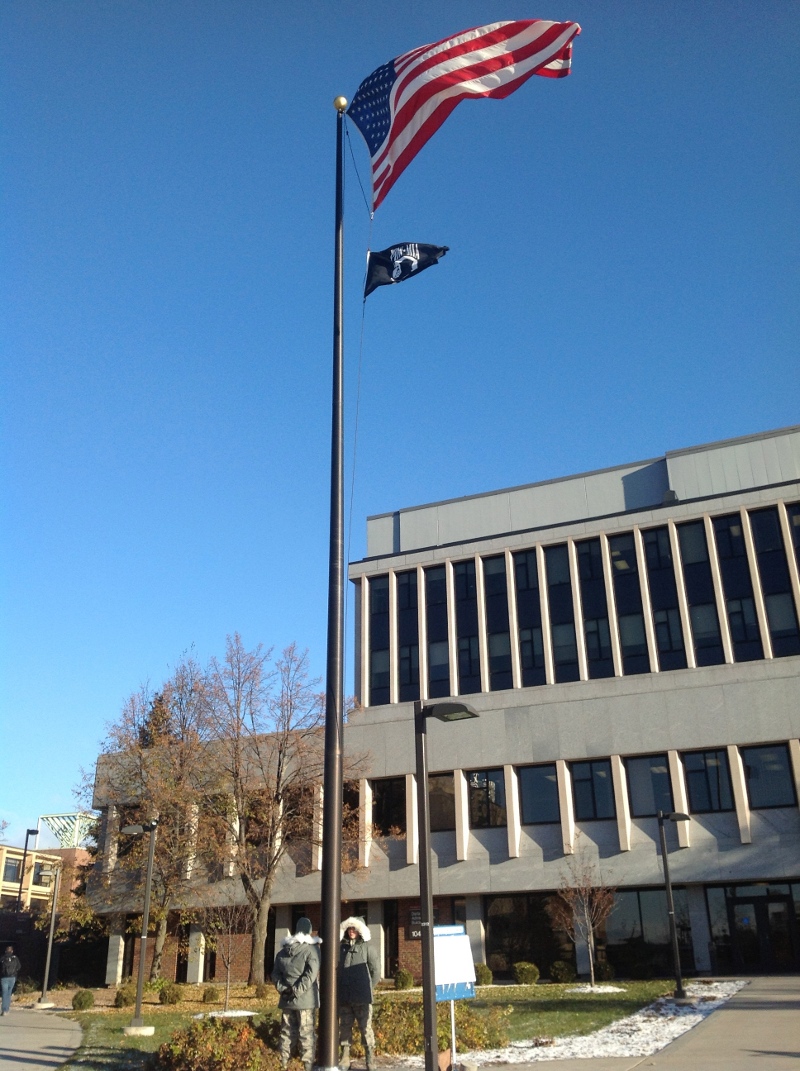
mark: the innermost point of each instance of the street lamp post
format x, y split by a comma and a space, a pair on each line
671, 816
50, 872
28, 834
137, 1026
451, 710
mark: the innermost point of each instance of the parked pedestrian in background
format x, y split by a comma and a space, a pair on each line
359, 974
295, 976
10, 967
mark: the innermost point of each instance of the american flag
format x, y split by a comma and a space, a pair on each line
404, 102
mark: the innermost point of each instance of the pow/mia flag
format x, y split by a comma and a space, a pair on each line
400, 262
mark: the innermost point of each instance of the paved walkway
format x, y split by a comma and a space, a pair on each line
757, 1030
36, 1040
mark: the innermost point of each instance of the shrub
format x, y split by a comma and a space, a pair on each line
399, 1029
170, 993
483, 974
604, 971
264, 990
562, 971
26, 985
155, 985
83, 999
216, 1045
210, 995
403, 979
525, 973
126, 995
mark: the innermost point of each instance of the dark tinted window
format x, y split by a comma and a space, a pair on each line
595, 609
436, 622
497, 634
389, 805
793, 513
379, 640
775, 583
408, 635
538, 791
708, 781
664, 599
593, 790
738, 588
469, 662
649, 785
487, 798
441, 796
562, 614
529, 619
628, 599
699, 586
768, 774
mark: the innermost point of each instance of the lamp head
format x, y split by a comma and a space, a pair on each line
32, 832
451, 710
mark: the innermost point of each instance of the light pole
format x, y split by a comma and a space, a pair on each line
451, 710
50, 872
672, 816
28, 834
137, 1026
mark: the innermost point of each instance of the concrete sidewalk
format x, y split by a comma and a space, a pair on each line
758, 1028
36, 1040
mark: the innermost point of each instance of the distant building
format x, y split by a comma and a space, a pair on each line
630, 640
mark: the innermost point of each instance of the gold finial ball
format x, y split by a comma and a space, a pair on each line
340, 103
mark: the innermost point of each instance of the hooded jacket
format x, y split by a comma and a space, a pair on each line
359, 969
296, 971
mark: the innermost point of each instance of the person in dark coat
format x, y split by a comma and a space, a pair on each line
295, 976
10, 967
359, 974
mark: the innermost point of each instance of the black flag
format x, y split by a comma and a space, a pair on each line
400, 262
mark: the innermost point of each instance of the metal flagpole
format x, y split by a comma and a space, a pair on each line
328, 1043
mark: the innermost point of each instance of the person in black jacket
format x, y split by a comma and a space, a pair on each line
359, 974
10, 967
295, 976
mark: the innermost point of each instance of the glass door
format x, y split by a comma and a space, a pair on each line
764, 934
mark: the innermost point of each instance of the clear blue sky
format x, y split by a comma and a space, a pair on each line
623, 280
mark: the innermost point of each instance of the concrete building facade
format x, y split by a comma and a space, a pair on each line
630, 641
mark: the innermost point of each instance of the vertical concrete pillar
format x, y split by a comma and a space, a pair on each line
513, 823
740, 793
283, 923
412, 821
316, 839
364, 821
620, 779
564, 778
116, 951
377, 932
680, 797
476, 930
462, 814
197, 955
701, 931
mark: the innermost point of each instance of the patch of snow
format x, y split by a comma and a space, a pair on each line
596, 989
641, 1034
237, 1013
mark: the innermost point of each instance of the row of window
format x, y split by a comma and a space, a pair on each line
12, 869
695, 587
768, 779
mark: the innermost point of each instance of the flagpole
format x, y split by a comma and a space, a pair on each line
328, 1037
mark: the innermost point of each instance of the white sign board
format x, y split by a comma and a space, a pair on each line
454, 971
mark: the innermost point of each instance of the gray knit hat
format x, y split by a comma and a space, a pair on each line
303, 926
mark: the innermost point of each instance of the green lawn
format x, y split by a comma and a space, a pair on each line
551, 1011
537, 1011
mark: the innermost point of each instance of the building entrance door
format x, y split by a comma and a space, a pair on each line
764, 934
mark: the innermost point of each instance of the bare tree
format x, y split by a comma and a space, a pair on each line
155, 768
221, 926
267, 755
581, 905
